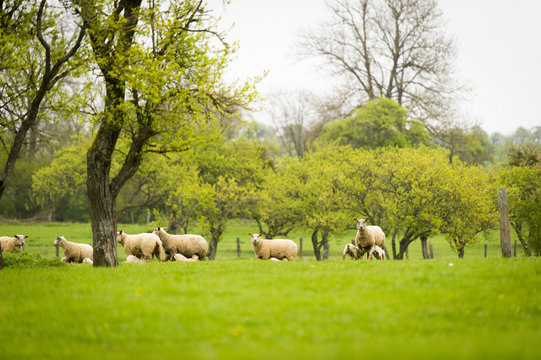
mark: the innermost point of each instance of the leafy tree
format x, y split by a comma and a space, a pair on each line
379, 123
219, 182
162, 73
523, 184
36, 56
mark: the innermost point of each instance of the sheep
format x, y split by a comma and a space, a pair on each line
141, 245
281, 249
12, 243
134, 259
380, 253
353, 251
368, 237
88, 261
180, 257
73, 252
187, 244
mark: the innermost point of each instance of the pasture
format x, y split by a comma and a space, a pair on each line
446, 308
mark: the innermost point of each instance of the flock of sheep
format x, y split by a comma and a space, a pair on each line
369, 240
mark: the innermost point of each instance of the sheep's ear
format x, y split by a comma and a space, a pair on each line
120, 232
25, 236
367, 219
250, 234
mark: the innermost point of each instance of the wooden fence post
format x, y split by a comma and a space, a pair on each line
300, 252
431, 250
57, 250
486, 252
1, 258
515, 249
505, 232
408, 252
238, 247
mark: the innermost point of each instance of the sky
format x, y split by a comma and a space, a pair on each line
498, 53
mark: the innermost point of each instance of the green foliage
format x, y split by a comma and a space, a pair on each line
379, 123
29, 260
523, 184
19, 200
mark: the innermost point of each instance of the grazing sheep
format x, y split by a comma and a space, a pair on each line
368, 237
180, 257
73, 252
141, 245
12, 243
87, 261
187, 244
281, 249
134, 259
353, 251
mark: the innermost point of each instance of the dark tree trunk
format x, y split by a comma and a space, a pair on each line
315, 244
424, 246
213, 247
393, 244
100, 197
460, 251
325, 244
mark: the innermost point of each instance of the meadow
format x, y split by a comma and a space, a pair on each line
445, 308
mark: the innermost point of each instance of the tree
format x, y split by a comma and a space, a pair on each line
379, 123
162, 74
219, 181
392, 49
36, 56
523, 184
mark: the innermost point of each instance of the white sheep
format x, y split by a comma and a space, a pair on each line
379, 252
88, 261
187, 244
368, 237
12, 243
180, 257
73, 252
353, 251
134, 259
141, 245
281, 249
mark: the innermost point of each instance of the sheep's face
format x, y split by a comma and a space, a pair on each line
256, 238
19, 240
361, 224
57, 240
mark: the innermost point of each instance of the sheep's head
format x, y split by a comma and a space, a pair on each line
119, 237
256, 238
158, 229
361, 223
58, 240
19, 240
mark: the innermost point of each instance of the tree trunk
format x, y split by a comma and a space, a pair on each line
213, 247
315, 245
100, 197
460, 251
505, 233
326, 245
424, 246
393, 244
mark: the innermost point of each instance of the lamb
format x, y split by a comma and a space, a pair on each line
380, 253
353, 251
73, 252
281, 249
134, 259
88, 261
12, 243
368, 237
141, 245
180, 257
187, 244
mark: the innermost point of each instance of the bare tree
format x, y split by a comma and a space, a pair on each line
389, 48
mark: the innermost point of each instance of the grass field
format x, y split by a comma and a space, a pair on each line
445, 308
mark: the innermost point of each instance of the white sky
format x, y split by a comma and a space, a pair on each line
498, 41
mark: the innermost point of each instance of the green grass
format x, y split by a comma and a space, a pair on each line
251, 309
